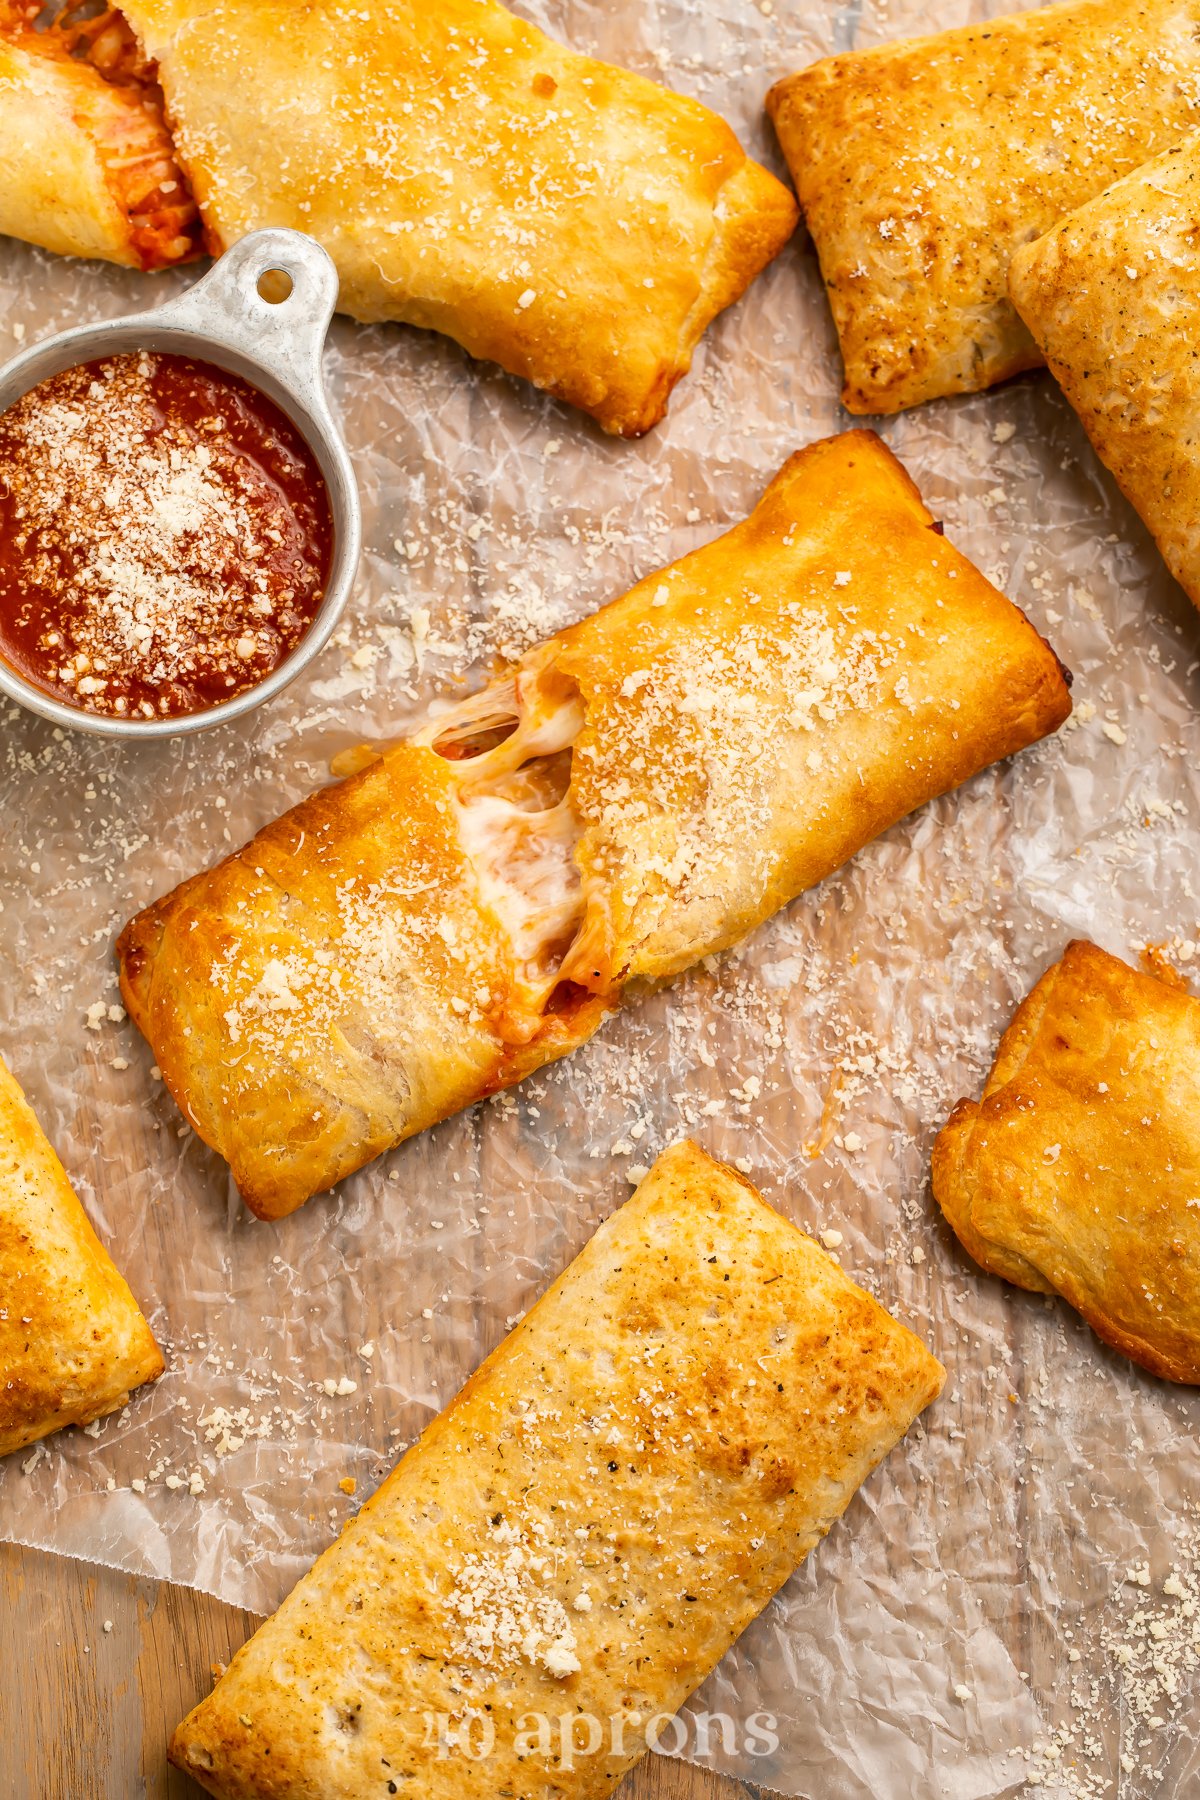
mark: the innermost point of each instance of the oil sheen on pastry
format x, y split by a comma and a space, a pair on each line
1112, 297
923, 165
635, 794
1079, 1171
73, 1344
588, 1527
567, 219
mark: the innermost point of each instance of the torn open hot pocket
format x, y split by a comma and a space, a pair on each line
87, 166
636, 793
573, 222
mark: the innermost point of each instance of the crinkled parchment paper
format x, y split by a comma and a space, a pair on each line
976, 1600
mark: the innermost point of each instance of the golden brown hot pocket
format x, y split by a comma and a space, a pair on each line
1079, 1171
73, 1343
86, 165
923, 165
639, 792
573, 222
587, 1528
1112, 297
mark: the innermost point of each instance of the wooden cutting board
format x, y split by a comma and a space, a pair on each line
97, 1668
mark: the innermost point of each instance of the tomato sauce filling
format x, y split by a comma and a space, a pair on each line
165, 536
117, 102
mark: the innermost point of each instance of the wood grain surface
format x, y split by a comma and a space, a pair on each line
97, 1668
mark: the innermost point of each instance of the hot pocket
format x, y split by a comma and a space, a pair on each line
589, 1525
88, 167
571, 221
1078, 1172
923, 166
1112, 296
73, 1342
635, 794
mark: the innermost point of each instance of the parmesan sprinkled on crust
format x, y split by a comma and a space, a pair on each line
722, 701
505, 1608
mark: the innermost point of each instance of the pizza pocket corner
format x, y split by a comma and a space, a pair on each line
1112, 297
1078, 1173
73, 1343
88, 165
921, 166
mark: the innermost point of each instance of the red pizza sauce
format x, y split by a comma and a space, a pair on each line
165, 536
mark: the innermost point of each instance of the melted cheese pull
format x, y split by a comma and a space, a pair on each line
511, 750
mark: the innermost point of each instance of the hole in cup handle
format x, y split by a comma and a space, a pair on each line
275, 286
284, 330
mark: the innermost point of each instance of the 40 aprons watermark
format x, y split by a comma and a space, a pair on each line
564, 1740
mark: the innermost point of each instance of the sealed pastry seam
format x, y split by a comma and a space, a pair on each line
588, 1526
638, 792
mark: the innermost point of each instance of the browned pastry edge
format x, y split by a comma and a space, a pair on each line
954, 1185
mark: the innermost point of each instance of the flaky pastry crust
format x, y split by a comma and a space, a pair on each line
87, 165
573, 222
923, 165
732, 729
1112, 297
589, 1526
1079, 1171
73, 1344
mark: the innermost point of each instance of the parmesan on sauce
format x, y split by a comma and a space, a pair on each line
165, 536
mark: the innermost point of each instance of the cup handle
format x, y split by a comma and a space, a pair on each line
287, 334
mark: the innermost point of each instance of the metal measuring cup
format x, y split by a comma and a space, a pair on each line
276, 346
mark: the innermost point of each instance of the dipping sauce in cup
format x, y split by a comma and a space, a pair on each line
165, 536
